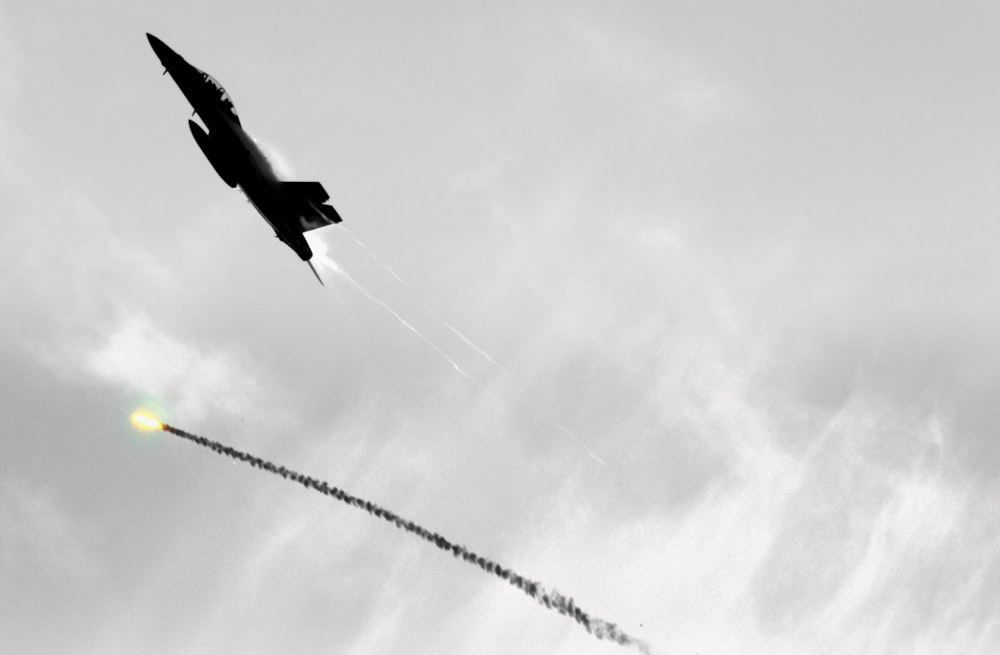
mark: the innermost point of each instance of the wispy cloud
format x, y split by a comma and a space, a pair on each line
809, 528
11, 65
664, 81
191, 380
38, 533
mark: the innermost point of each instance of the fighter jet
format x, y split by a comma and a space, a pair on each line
290, 208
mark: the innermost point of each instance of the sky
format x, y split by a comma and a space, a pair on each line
685, 309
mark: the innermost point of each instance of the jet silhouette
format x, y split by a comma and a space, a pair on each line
290, 208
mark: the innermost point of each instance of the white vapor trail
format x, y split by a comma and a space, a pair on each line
373, 255
323, 259
580, 443
485, 355
408, 326
468, 342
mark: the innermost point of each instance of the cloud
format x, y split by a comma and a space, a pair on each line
11, 66
761, 493
776, 558
140, 358
68, 269
662, 81
39, 535
804, 523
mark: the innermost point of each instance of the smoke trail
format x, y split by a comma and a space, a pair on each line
550, 598
482, 353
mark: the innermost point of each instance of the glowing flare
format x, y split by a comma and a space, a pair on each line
142, 420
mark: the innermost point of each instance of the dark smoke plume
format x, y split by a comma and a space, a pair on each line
549, 598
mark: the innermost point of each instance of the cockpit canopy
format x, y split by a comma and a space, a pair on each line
224, 98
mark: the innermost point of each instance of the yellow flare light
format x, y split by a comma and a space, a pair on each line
142, 420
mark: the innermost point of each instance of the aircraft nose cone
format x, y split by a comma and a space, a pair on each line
159, 47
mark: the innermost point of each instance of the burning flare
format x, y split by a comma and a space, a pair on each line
141, 419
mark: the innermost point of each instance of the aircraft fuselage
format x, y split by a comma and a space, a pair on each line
290, 208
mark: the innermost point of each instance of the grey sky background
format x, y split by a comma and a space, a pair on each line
735, 263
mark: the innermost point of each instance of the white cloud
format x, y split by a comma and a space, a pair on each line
731, 515
11, 64
140, 358
38, 534
661, 81
834, 523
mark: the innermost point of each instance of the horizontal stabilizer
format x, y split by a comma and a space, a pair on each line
306, 190
308, 198
330, 213
318, 216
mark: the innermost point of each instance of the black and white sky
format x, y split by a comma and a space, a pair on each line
721, 278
